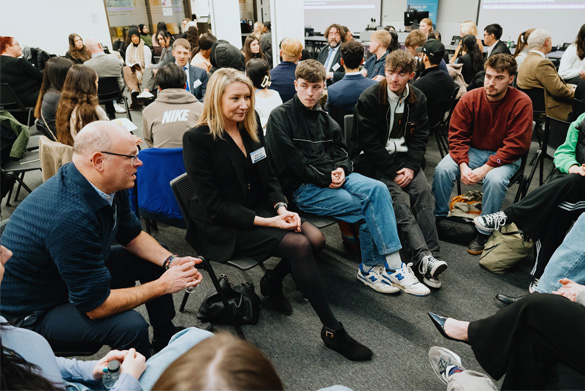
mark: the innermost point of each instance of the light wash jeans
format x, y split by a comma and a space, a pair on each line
568, 261
360, 199
495, 182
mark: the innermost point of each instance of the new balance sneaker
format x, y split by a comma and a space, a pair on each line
374, 280
405, 279
442, 360
430, 268
491, 222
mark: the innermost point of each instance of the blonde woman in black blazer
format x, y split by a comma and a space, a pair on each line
239, 208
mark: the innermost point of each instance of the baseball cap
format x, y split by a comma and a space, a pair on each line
432, 48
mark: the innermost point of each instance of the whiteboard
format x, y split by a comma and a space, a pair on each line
562, 18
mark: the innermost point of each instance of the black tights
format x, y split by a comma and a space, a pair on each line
297, 251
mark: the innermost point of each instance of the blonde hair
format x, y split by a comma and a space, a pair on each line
467, 27
212, 115
383, 37
291, 48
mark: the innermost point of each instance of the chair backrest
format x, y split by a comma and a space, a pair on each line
154, 197
183, 190
8, 99
555, 133
347, 128
536, 95
3, 225
108, 89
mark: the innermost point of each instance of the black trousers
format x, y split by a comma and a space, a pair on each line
556, 204
530, 340
68, 329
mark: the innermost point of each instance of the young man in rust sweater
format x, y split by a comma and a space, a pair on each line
490, 130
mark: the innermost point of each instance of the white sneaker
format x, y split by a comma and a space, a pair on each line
374, 280
145, 95
430, 268
442, 360
533, 285
405, 279
119, 108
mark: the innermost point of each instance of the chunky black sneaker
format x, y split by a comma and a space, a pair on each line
477, 244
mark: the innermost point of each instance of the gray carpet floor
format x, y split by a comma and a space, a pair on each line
395, 327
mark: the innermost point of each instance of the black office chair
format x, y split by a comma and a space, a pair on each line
11, 103
555, 133
184, 192
578, 109
441, 130
29, 162
108, 93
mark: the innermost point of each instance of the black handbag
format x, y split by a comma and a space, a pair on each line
244, 303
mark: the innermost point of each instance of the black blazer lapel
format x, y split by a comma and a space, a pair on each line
233, 158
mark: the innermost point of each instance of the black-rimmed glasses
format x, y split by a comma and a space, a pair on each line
131, 157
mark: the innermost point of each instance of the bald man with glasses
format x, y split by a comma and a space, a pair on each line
67, 281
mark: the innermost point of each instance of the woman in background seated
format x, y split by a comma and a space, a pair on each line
201, 58
79, 103
266, 100
165, 41
466, 28
521, 49
426, 26
472, 58
77, 52
252, 49
222, 362
239, 211
21, 75
53, 79
572, 67
138, 58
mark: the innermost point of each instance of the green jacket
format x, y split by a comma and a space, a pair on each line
7, 121
566, 154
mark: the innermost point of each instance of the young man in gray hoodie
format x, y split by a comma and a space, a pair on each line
174, 111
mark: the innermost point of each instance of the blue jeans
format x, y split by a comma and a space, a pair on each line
360, 199
495, 183
568, 261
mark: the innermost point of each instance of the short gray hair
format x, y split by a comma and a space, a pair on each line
93, 138
537, 38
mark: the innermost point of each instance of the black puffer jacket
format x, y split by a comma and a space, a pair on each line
305, 145
371, 130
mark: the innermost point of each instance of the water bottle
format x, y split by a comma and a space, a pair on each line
509, 42
111, 374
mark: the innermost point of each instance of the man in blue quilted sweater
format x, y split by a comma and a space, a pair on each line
66, 281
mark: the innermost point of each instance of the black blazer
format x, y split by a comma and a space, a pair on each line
500, 48
339, 72
216, 210
24, 78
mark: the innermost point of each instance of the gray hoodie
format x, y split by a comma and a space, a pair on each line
165, 120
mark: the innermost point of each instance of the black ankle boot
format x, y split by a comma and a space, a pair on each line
273, 292
344, 344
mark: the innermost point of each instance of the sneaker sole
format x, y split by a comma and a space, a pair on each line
474, 252
438, 270
366, 283
482, 228
405, 290
432, 284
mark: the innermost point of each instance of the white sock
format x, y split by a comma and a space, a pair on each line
393, 261
365, 268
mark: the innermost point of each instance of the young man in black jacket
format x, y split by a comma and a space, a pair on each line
306, 147
389, 144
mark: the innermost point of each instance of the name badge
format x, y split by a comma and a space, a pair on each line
335, 67
197, 83
258, 155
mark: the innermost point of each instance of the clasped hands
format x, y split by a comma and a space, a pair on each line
131, 362
337, 178
470, 177
570, 289
182, 274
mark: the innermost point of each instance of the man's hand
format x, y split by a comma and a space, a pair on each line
404, 177
466, 174
480, 172
337, 178
181, 260
180, 277
570, 289
329, 75
575, 169
379, 78
134, 364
